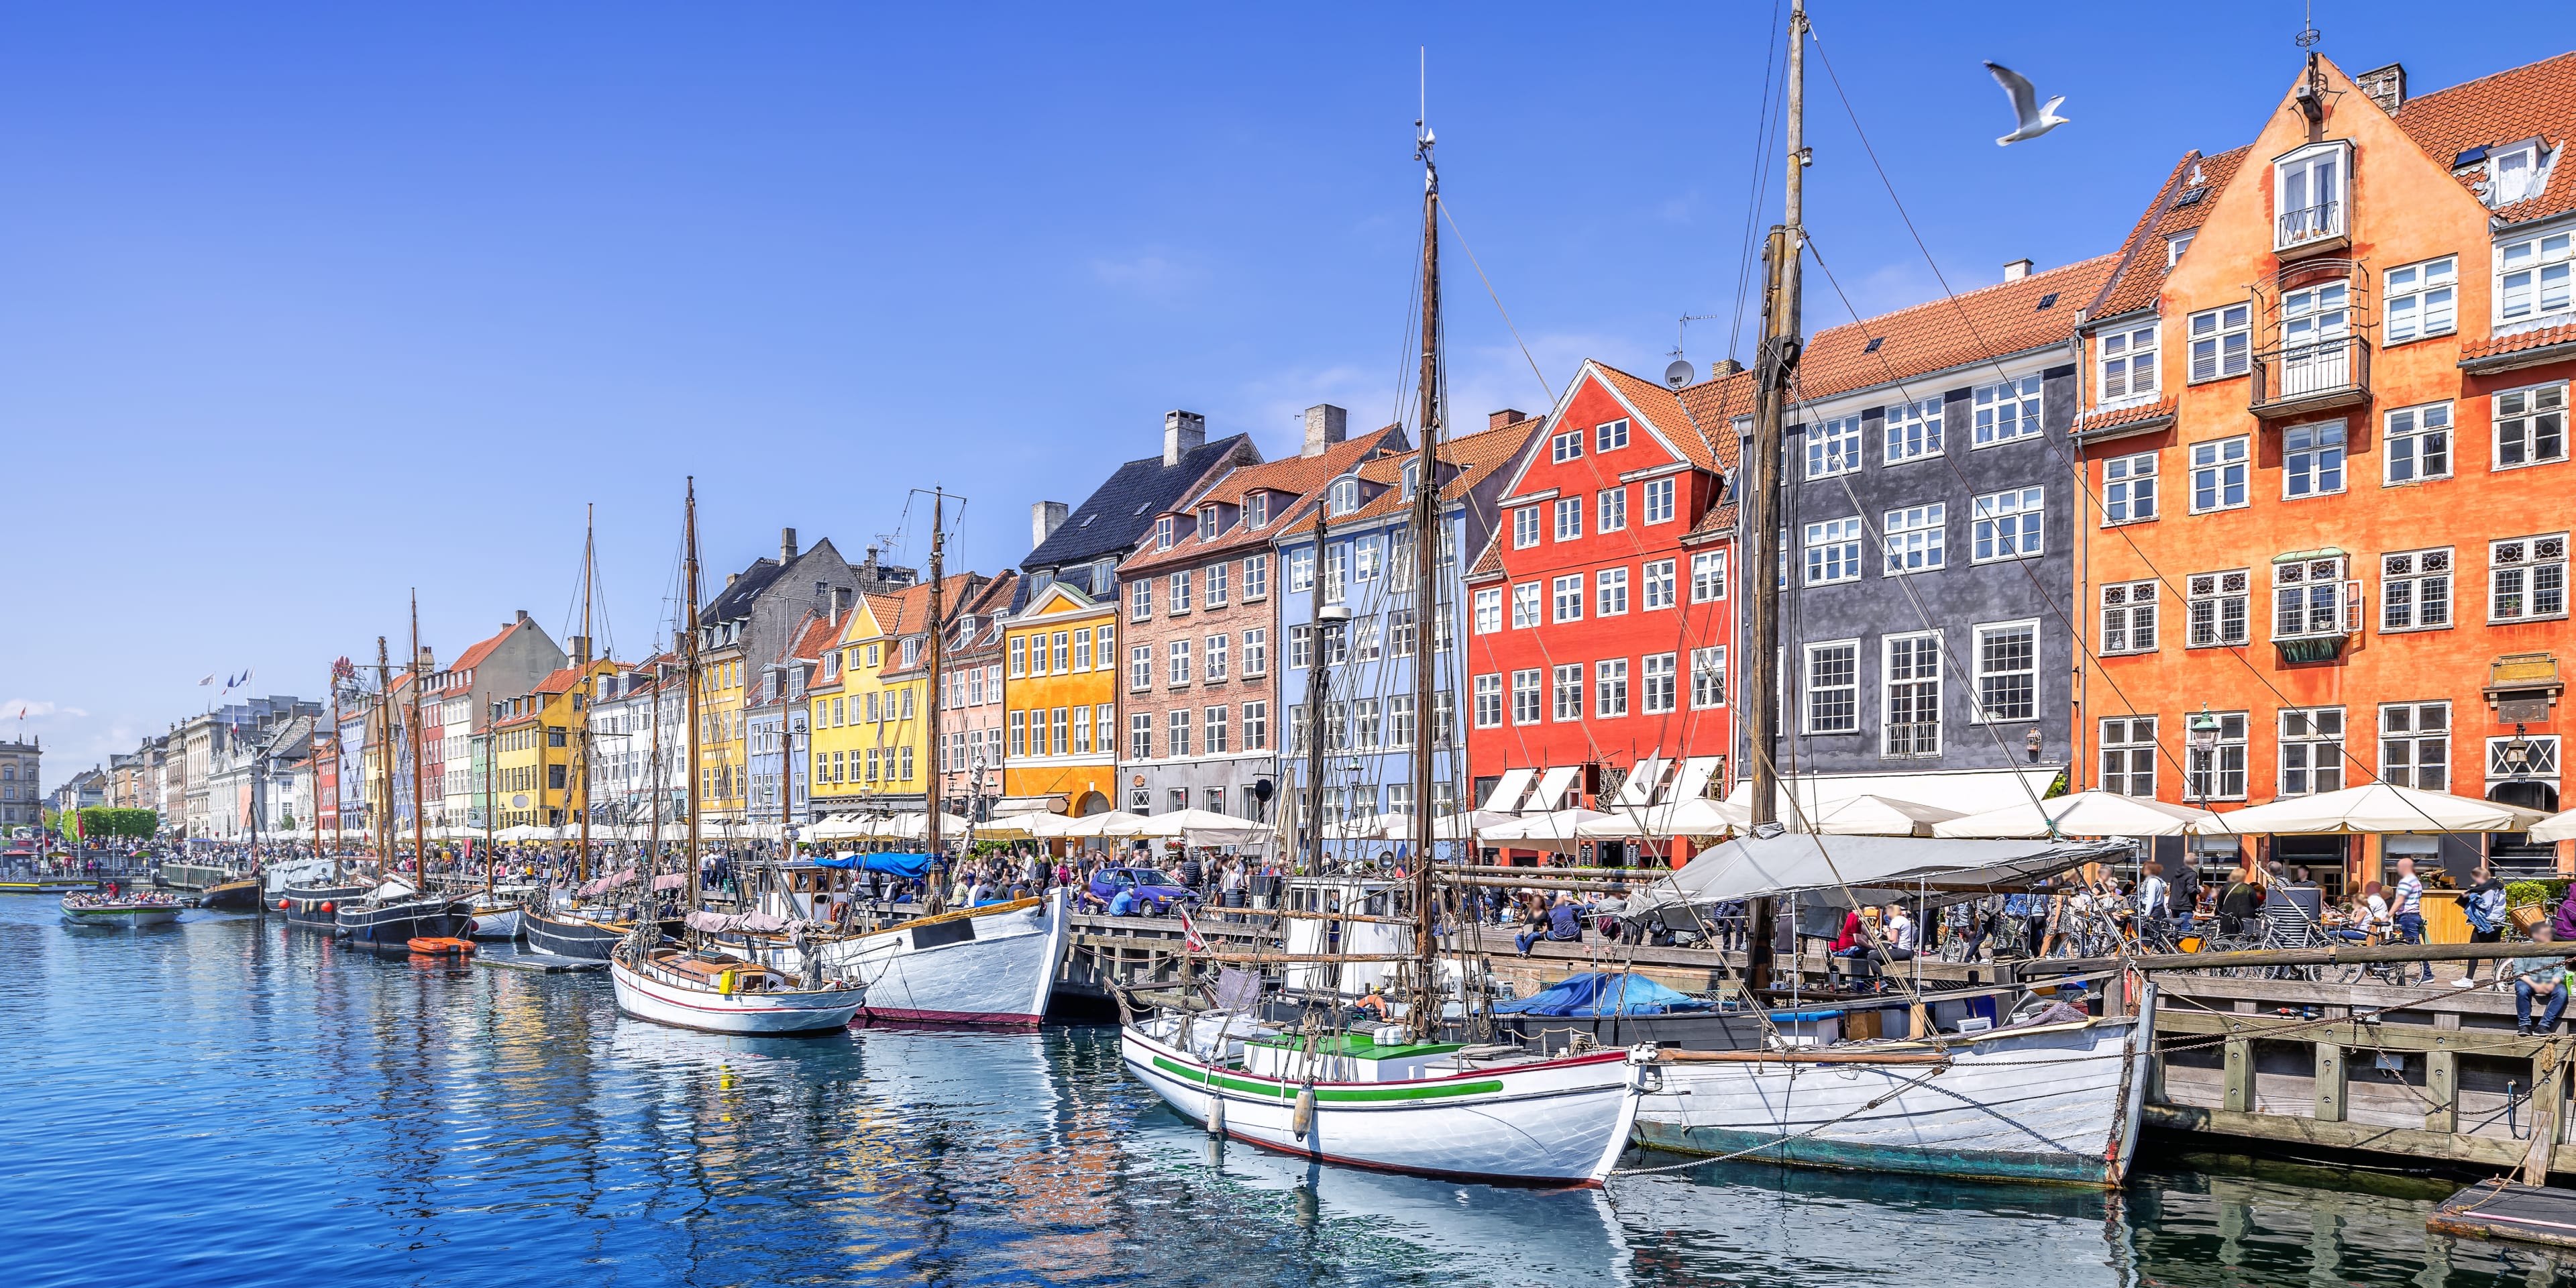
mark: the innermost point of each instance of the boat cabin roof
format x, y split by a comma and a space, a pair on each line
1358, 1046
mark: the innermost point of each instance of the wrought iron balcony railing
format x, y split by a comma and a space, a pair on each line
2313, 375
2308, 226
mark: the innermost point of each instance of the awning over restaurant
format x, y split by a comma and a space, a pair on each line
1875, 867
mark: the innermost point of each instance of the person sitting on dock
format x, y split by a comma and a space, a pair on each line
1564, 924
2542, 977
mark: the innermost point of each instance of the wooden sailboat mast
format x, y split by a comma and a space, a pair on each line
383, 801
581, 690
419, 836
339, 772
689, 666
1424, 1013
931, 802
1778, 358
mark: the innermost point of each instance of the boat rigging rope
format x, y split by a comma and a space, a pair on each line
1775, 1143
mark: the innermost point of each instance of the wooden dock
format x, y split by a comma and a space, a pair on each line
2500, 1209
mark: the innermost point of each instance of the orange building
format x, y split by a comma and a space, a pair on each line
1060, 703
2325, 444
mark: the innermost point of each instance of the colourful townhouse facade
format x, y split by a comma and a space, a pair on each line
911, 707
971, 727
1599, 634
2328, 537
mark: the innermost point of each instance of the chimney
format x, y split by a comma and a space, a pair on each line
522, 619
731, 578
428, 659
1046, 516
840, 603
1326, 425
2018, 269
1183, 432
581, 650
1725, 367
786, 546
1507, 416
2386, 86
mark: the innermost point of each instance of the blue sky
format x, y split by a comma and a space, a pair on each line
308, 306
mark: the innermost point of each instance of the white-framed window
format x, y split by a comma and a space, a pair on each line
2421, 300
1301, 570
1365, 644
2222, 342
1910, 674
2527, 579
2128, 747
2176, 244
2007, 671
1218, 650
1489, 610
2415, 745
2129, 617
1708, 576
1610, 687
1833, 687
1256, 652
1566, 446
1256, 577
2311, 750
2531, 425
1216, 585
1301, 647
2532, 277
1567, 689
2128, 364
1140, 668
2217, 773
1140, 736
1912, 538
2314, 324
1140, 599
2129, 488
1658, 494
1368, 557
1166, 531
1567, 593
2218, 474
1833, 551
1611, 508
1337, 571
1528, 701
2007, 411
2312, 460
2219, 608
2417, 444
2540, 758
2309, 193
2007, 525
1489, 701
1527, 527
1207, 522
1179, 674
1526, 597
2307, 598
1569, 518
2512, 172
1610, 435
1610, 586
1180, 593
1833, 447
2415, 590
1708, 677
1344, 496
1256, 510
1656, 586
1913, 430
1657, 676
1366, 732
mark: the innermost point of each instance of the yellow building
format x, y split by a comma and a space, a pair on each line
871, 730
536, 747
1060, 703
724, 760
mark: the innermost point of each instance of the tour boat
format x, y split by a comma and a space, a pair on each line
990, 965
1487, 1114
720, 993
567, 934
240, 894
393, 914
46, 885
315, 904
497, 915
2049, 1102
130, 909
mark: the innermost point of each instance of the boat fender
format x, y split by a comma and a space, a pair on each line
325, 909
724, 983
285, 905
1303, 1121
1216, 1115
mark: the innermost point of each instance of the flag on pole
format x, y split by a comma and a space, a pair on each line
1190, 933
210, 679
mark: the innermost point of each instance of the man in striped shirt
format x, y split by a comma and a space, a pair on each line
2408, 909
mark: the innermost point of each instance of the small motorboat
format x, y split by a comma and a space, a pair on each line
131, 908
721, 993
241, 895
440, 946
394, 914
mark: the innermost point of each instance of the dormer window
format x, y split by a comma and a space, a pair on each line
1345, 496
2309, 188
1165, 532
1104, 576
2177, 244
1207, 523
1412, 477
1256, 509
2514, 173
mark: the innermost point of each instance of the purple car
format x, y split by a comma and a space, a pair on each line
1156, 891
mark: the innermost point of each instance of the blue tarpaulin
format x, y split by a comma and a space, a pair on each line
1602, 993
909, 866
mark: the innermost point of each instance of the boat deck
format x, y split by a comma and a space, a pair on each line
2501, 1209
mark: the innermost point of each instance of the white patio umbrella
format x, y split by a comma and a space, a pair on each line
917, 826
1694, 817
2556, 827
839, 827
2093, 813
1189, 824
1115, 822
2371, 808
1044, 827
1878, 816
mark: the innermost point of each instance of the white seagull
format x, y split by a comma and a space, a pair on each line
2032, 119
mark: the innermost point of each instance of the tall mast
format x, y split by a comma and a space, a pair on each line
581, 687
384, 723
1425, 1011
931, 801
689, 667
1315, 686
1779, 357
490, 797
419, 839
339, 773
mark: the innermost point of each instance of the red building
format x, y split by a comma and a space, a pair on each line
1600, 615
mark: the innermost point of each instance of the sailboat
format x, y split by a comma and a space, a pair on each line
706, 987
1395, 1096
396, 911
559, 924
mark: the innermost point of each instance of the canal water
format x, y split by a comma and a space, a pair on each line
224, 1101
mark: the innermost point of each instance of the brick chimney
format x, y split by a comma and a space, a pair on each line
2386, 86
840, 602
1046, 516
2018, 269
1507, 416
580, 650
1725, 367
521, 619
1326, 425
786, 546
1184, 432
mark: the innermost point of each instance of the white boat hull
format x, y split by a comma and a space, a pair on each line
2058, 1105
1560, 1122
494, 923
773, 1014
991, 968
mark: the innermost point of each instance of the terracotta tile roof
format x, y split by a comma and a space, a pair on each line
2520, 341
2507, 107
1992, 322
2143, 257
473, 657
1475, 455
1490, 566
811, 638
1685, 424
2100, 421
1296, 478
563, 681
1714, 405
1718, 522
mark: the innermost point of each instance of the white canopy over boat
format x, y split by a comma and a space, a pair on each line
2093, 813
1875, 867
2371, 808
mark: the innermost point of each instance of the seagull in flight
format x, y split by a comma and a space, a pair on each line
2031, 119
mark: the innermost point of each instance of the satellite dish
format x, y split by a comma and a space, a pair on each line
1678, 374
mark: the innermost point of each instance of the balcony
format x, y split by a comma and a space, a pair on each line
2310, 230
2312, 376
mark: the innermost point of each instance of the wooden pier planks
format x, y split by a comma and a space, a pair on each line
2501, 1209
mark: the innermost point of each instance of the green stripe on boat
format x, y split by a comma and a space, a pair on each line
1283, 1090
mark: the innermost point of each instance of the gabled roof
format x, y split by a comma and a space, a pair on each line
1119, 511
1296, 478
2144, 259
1991, 322
563, 681
2535, 99
735, 600
907, 612
1676, 419
473, 656
1718, 522
1474, 457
